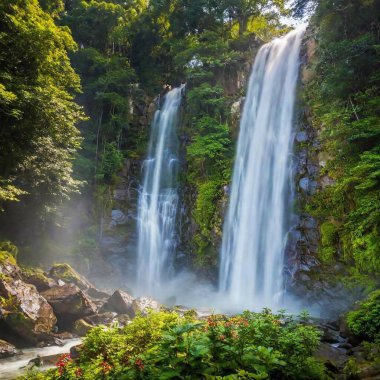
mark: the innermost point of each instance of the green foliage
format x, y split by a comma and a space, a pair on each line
208, 194
166, 346
124, 53
8, 192
329, 240
37, 112
344, 97
111, 163
211, 151
365, 321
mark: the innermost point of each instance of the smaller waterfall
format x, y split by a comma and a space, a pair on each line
158, 201
254, 235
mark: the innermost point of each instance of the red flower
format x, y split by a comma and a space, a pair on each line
139, 363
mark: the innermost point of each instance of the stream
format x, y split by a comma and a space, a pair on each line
15, 366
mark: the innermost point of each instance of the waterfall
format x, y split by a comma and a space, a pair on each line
158, 200
254, 235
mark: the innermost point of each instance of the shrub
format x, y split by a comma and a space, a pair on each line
365, 321
165, 345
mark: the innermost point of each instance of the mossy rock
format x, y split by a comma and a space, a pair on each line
25, 311
6, 257
8, 247
37, 277
66, 273
8, 265
81, 327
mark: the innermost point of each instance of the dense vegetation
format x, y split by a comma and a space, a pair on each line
78, 79
38, 115
166, 346
345, 103
123, 55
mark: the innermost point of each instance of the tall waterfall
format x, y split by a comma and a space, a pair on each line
254, 235
158, 200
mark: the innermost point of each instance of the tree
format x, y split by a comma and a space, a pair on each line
38, 116
243, 10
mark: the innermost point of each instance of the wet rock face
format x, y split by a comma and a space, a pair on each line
6, 349
69, 303
117, 218
25, 311
301, 253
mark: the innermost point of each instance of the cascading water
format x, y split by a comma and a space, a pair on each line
158, 199
254, 235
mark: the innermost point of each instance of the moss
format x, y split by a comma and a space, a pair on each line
329, 240
329, 234
205, 216
10, 304
6, 257
9, 247
205, 208
4, 277
37, 273
67, 274
37, 277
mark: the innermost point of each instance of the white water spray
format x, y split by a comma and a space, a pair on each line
254, 235
158, 199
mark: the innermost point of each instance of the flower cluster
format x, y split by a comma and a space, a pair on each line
63, 361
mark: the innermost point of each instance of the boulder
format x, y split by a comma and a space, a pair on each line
69, 303
6, 349
333, 358
81, 327
25, 311
143, 304
330, 335
65, 273
120, 302
75, 351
